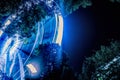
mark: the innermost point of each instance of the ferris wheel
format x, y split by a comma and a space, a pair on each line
47, 30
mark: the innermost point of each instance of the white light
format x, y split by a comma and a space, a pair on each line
60, 30
15, 46
22, 73
1, 32
6, 45
13, 16
7, 23
5, 58
49, 3
2, 61
54, 38
38, 33
32, 68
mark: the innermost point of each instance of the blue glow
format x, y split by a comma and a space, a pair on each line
5, 47
15, 46
34, 67
22, 71
12, 48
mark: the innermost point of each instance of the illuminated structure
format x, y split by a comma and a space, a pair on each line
49, 30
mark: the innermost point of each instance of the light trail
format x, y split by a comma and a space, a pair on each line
60, 31
38, 33
12, 65
56, 26
32, 68
1, 32
7, 43
15, 45
41, 33
56, 39
22, 75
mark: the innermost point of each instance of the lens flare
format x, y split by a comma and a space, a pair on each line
32, 68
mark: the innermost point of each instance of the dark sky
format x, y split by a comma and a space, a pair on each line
87, 29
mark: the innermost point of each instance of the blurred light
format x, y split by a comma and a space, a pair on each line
60, 30
7, 23
6, 45
14, 46
54, 38
32, 68
13, 16
1, 32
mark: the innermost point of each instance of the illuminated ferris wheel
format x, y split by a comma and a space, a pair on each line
48, 30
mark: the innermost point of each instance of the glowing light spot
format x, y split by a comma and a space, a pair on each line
32, 68
7, 23
13, 16
1, 32
60, 31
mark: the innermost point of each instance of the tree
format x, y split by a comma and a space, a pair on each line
72, 5
94, 64
115, 1
55, 62
26, 25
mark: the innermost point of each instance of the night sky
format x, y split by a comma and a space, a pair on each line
85, 30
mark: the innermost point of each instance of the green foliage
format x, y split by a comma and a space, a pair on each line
29, 18
109, 71
8, 6
115, 1
105, 54
51, 52
47, 49
26, 26
72, 5
100, 78
101, 57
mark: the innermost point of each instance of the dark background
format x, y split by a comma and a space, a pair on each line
86, 29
